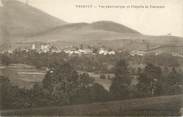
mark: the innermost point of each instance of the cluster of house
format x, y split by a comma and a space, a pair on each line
101, 51
137, 53
79, 51
44, 48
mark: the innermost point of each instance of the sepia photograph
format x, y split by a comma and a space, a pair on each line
120, 58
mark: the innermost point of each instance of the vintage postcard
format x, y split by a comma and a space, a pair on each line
91, 57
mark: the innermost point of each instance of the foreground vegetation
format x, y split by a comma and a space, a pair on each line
63, 85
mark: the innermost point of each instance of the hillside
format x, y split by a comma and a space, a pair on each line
112, 26
100, 25
106, 33
86, 33
24, 20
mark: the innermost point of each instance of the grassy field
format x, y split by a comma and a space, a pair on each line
155, 106
25, 76
22, 75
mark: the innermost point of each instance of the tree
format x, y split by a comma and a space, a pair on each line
149, 81
120, 84
90, 94
5, 59
102, 76
82, 94
85, 80
98, 93
40, 96
4, 85
172, 83
13, 97
62, 81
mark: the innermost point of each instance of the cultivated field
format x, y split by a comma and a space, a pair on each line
25, 76
22, 75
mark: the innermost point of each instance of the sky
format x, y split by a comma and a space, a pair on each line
150, 21
1, 5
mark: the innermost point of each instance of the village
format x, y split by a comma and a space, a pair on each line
173, 50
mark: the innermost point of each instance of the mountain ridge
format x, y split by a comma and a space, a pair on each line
108, 26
